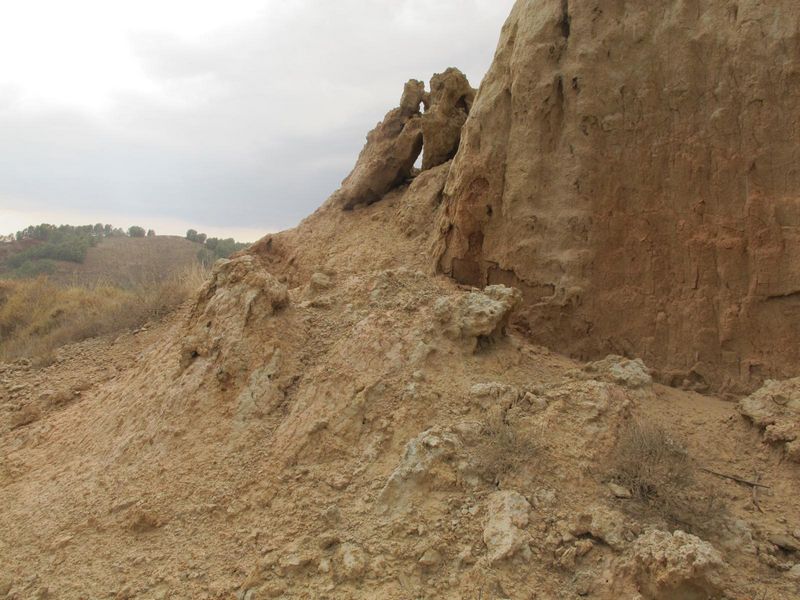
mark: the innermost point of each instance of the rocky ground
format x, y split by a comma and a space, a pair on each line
350, 431
333, 417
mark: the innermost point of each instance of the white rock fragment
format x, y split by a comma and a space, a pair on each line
775, 408
469, 317
678, 563
351, 561
418, 466
507, 516
632, 374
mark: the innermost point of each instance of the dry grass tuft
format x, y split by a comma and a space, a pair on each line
502, 450
37, 316
660, 473
651, 464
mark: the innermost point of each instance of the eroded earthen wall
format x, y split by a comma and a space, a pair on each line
633, 167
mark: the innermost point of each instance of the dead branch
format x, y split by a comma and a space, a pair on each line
734, 478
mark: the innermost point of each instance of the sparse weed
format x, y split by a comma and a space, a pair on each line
660, 474
501, 449
651, 464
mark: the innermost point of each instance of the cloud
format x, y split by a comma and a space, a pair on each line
251, 120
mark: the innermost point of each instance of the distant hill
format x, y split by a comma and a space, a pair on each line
122, 261
127, 261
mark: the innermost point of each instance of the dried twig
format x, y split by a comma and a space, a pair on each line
755, 493
734, 478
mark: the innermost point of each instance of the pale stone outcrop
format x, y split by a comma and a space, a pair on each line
504, 533
389, 154
387, 160
476, 315
775, 408
675, 565
630, 373
451, 98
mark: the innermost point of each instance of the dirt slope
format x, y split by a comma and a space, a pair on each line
329, 419
329, 440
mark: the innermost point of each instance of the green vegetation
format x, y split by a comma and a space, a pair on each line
214, 248
34, 268
46, 243
56, 243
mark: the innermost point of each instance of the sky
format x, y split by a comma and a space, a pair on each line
232, 117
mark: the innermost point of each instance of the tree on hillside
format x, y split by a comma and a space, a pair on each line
151, 233
135, 231
216, 248
201, 237
107, 229
191, 235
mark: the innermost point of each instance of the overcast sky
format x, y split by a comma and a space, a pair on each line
235, 117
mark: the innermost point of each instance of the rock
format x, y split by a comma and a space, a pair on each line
619, 491
784, 542
794, 573
238, 292
533, 196
320, 282
775, 408
584, 582
124, 594
430, 558
294, 560
503, 534
622, 371
274, 589
332, 515
583, 547
388, 157
351, 561
427, 457
605, 524
324, 565
567, 558
537, 403
387, 160
494, 394
25, 416
451, 98
675, 565
476, 315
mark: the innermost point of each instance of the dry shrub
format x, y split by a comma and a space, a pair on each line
659, 472
502, 449
650, 463
37, 316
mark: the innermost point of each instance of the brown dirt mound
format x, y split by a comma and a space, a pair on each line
330, 420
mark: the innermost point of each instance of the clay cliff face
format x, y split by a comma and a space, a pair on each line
633, 169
